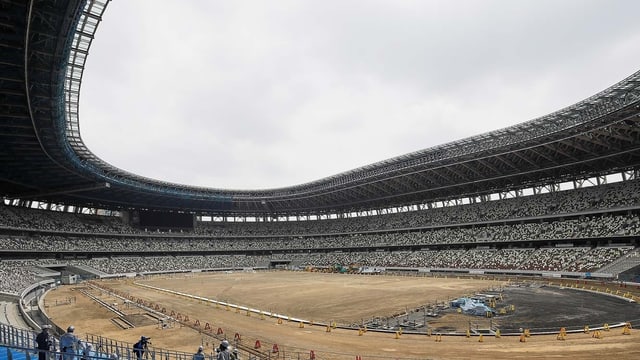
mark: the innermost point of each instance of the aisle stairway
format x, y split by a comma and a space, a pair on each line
629, 261
10, 315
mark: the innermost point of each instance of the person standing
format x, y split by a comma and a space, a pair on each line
44, 340
200, 354
86, 352
69, 344
141, 347
223, 351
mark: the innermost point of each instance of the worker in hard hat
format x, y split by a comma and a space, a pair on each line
200, 354
69, 344
223, 351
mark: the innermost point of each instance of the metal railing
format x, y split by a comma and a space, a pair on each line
125, 350
21, 338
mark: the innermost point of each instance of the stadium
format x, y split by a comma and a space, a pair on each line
516, 243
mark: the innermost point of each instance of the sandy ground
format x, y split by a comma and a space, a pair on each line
321, 298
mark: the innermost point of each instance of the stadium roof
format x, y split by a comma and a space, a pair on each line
44, 45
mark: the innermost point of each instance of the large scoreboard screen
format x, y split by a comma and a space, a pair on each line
164, 220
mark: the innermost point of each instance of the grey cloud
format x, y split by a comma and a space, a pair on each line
254, 94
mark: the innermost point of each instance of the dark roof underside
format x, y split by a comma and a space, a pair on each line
42, 159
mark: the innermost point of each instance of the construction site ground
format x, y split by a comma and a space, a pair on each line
340, 299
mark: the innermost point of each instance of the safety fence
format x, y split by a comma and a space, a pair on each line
13, 336
125, 350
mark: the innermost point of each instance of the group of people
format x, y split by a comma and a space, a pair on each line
223, 351
70, 344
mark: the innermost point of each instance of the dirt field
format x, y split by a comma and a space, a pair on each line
321, 298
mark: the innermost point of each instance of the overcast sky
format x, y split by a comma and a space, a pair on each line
267, 94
